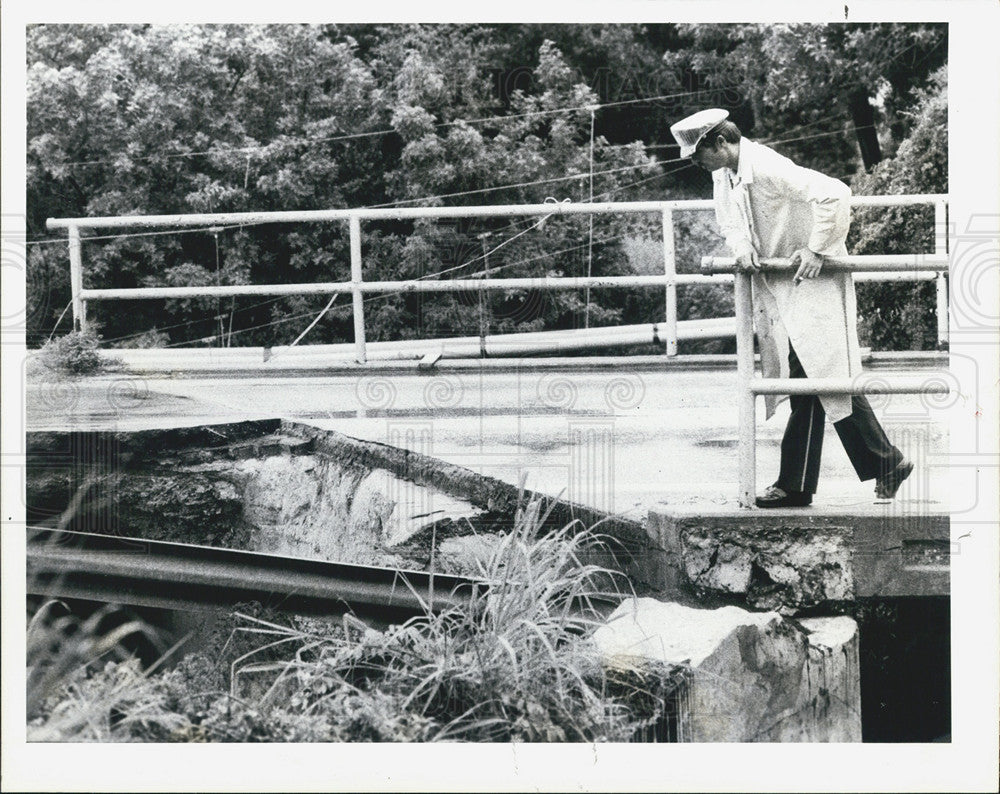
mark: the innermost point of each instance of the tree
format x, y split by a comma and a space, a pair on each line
147, 119
207, 118
141, 119
901, 316
532, 153
781, 77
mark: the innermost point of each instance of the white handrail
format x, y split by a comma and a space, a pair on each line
750, 387
401, 213
414, 285
912, 269
859, 264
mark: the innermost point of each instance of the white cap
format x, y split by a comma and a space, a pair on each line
689, 131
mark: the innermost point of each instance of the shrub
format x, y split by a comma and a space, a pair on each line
73, 354
512, 663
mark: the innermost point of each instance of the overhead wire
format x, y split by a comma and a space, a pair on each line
385, 295
388, 131
655, 163
245, 330
190, 322
400, 202
127, 235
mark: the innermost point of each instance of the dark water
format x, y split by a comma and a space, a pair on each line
905, 659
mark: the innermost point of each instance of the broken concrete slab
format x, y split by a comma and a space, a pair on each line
787, 559
753, 676
486, 493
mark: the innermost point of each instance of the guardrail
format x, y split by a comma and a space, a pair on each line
358, 287
167, 575
750, 387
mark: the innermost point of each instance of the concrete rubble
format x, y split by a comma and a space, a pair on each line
790, 559
753, 676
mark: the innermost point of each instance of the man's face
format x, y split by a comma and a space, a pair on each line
709, 156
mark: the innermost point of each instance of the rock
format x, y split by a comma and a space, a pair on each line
467, 555
774, 568
753, 676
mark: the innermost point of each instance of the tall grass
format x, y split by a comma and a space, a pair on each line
512, 662
79, 677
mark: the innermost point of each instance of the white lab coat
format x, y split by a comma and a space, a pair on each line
791, 207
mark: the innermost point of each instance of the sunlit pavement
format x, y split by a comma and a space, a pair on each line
621, 441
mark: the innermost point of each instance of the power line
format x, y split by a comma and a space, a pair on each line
457, 194
610, 192
245, 330
687, 164
190, 322
96, 237
508, 186
386, 295
247, 150
388, 204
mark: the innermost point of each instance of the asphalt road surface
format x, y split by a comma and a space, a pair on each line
623, 440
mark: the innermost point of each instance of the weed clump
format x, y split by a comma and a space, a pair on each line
511, 662
74, 354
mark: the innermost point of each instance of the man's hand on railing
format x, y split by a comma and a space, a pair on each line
747, 260
808, 262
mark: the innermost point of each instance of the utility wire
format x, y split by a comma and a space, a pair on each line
386, 295
590, 253
390, 204
613, 191
190, 322
247, 150
374, 133
123, 236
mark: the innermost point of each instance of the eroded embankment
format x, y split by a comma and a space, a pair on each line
286, 488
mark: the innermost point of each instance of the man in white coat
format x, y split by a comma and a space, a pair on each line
769, 207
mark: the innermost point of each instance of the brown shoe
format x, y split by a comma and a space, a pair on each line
886, 487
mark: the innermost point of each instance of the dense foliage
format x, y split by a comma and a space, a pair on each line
143, 119
901, 316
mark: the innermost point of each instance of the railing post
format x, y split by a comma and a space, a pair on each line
670, 270
76, 280
747, 419
360, 355
941, 249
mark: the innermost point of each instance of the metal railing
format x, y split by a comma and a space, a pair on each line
358, 287
750, 387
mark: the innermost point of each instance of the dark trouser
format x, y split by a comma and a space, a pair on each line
863, 438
